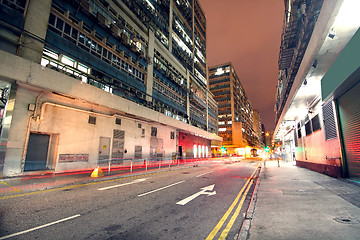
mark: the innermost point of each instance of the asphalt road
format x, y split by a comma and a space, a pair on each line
204, 202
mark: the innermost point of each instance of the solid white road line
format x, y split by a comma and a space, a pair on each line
140, 195
123, 184
204, 174
42, 226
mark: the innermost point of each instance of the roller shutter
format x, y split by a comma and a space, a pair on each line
349, 113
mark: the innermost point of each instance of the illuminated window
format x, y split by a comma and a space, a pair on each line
195, 151
222, 129
229, 122
203, 151
68, 61
199, 151
207, 151
83, 68
219, 71
221, 123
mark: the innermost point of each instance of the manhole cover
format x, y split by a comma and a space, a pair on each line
347, 220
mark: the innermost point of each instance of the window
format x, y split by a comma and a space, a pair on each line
299, 130
118, 121
308, 128
139, 125
92, 120
143, 131
172, 135
153, 131
315, 122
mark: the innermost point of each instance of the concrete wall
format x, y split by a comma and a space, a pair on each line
314, 149
68, 122
67, 119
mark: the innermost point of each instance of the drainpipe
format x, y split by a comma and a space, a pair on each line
32, 116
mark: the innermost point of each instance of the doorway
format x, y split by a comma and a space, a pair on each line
37, 152
104, 150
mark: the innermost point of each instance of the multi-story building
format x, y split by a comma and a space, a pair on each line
235, 112
86, 81
317, 107
258, 129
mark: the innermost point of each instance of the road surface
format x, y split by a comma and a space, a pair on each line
203, 202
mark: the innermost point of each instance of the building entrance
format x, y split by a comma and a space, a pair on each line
37, 152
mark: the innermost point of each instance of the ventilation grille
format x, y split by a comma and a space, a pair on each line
329, 121
138, 152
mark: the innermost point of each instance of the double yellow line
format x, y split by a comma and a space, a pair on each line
245, 189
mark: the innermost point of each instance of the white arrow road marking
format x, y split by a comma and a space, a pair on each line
123, 184
203, 191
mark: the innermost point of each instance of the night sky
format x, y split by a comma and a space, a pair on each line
248, 34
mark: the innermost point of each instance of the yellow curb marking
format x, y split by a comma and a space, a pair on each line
226, 215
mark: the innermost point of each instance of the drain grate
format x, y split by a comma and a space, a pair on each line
347, 220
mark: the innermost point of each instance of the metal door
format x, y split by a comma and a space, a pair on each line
117, 154
156, 148
349, 114
37, 152
104, 150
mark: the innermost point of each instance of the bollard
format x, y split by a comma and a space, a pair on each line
109, 167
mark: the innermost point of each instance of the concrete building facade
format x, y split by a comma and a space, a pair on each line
91, 81
236, 123
317, 109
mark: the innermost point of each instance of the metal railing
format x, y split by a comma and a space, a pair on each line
145, 164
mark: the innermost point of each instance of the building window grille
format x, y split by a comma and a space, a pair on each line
153, 131
315, 122
92, 120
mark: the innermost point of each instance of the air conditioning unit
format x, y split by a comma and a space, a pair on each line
102, 20
115, 30
86, 8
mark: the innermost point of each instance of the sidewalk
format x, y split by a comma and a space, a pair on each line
296, 203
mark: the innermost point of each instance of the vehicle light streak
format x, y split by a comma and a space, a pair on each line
204, 174
39, 227
159, 189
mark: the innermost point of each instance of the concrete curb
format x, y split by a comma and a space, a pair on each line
245, 227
